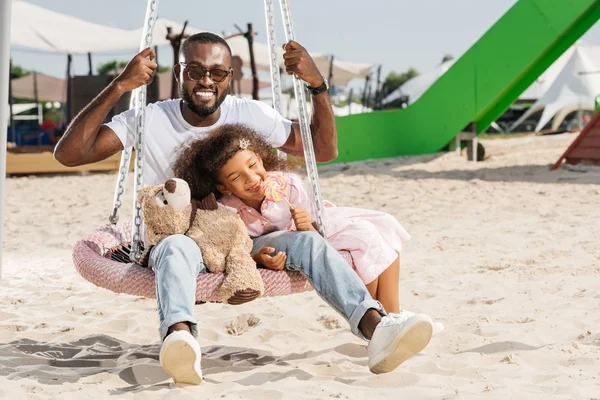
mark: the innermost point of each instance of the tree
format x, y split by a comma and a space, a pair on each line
115, 67
111, 67
447, 57
17, 72
394, 80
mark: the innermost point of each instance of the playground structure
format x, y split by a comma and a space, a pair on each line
478, 87
585, 149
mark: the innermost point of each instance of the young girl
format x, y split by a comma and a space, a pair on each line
233, 163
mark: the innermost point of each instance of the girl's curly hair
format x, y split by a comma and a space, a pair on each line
201, 160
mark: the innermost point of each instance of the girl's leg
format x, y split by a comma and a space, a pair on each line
372, 288
388, 287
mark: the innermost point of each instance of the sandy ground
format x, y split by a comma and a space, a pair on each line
504, 252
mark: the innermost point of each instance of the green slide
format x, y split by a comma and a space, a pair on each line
478, 88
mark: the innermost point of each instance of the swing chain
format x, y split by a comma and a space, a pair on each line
140, 118
309, 155
126, 154
274, 67
120, 189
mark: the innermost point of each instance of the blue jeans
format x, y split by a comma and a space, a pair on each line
177, 261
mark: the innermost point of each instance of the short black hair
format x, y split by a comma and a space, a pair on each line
203, 37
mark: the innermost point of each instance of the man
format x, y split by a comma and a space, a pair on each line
204, 74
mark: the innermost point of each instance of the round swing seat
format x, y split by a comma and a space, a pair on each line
95, 257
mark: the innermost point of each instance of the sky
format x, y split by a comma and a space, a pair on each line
398, 34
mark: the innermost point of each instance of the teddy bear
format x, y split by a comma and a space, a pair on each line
221, 235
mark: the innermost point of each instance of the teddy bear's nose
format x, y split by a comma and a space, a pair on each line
171, 185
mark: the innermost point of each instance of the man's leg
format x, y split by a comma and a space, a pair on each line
333, 279
392, 340
177, 261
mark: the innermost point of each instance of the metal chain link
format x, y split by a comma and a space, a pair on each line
140, 119
126, 154
120, 187
273, 64
309, 154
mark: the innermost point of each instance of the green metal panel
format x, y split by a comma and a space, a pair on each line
479, 87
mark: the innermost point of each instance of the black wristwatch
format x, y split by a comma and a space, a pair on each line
319, 89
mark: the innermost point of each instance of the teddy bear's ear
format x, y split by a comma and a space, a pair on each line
143, 192
208, 203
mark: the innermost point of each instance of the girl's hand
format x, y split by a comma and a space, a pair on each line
264, 258
302, 219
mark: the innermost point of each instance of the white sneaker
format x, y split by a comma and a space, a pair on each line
437, 325
396, 339
180, 357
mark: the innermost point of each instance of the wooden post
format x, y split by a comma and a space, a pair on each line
37, 101
69, 88
175, 45
90, 70
35, 88
378, 89
11, 101
330, 78
475, 143
236, 64
350, 101
250, 37
364, 98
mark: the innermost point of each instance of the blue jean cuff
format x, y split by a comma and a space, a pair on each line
359, 313
175, 318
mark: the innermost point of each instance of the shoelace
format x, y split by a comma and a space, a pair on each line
405, 314
394, 319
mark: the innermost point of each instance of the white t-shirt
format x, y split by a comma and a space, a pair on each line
167, 131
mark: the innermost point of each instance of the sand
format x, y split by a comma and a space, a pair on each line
504, 252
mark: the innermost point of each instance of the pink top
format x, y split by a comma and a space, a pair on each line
273, 216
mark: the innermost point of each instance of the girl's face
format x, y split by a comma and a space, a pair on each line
243, 176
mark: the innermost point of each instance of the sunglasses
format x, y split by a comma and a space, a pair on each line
196, 73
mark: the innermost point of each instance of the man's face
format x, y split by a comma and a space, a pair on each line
203, 96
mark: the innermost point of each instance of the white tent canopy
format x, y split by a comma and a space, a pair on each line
575, 86
159, 33
42, 29
239, 47
543, 83
344, 71
289, 108
38, 28
348, 109
21, 108
416, 86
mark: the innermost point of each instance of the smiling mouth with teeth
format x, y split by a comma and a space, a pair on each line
205, 95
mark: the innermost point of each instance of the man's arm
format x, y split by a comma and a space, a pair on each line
323, 128
86, 140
